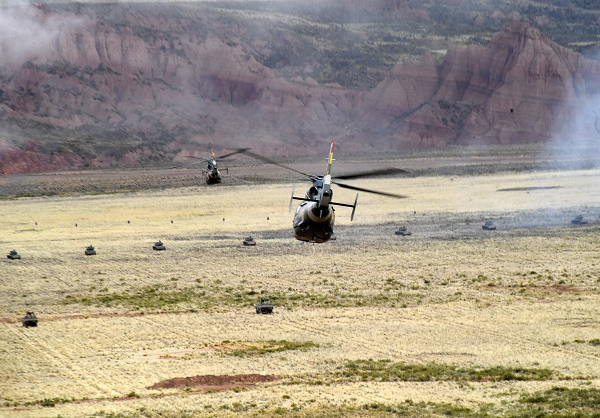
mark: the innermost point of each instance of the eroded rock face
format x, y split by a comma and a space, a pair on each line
522, 88
14, 161
142, 86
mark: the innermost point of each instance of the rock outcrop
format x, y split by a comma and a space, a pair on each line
521, 88
147, 87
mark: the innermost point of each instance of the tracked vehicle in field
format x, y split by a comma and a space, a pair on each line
264, 306
159, 246
402, 231
29, 320
90, 250
249, 241
488, 226
13, 255
578, 220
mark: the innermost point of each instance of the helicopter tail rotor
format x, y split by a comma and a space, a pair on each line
354, 208
291, 200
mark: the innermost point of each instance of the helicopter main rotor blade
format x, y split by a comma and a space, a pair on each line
361, 189
237, 151
186, 165
269, 161
372, 173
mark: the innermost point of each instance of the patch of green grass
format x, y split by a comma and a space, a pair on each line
410, 408
388, 371
151, 297
407, 408
216, 295
560, 401
594, 341
272, 346
49, 402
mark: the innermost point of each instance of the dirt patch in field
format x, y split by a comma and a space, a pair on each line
236, 345
212, 382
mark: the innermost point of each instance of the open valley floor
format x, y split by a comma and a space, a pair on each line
453, 319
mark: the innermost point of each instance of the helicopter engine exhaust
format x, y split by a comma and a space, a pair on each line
327, 193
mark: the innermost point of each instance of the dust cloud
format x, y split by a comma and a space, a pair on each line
28, 33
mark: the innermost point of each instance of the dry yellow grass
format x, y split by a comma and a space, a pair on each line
525, 295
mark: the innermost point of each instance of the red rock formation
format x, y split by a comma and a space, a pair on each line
32, 160
521, 88
168, 90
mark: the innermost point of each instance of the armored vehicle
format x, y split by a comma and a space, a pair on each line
29, 320
159, 246
264, 307
488, 226
249, 241
578, 220
403, 231
13, 255
89, 250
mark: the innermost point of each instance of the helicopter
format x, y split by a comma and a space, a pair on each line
213, 175
315, 216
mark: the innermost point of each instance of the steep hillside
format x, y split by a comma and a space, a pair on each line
91, 84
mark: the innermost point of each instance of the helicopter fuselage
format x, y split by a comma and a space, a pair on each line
212, 173
313, 223
315, 216
213, 177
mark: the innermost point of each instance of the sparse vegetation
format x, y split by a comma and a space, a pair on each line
560, 401
161, 297
49, 402
256, 348
447, 302
388, 371
593, 342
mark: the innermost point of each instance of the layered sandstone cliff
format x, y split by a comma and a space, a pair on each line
114, 88
521, 88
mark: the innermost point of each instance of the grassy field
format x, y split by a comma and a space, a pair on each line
450, 320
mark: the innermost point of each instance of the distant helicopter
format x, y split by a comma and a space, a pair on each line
315, 216
213, 175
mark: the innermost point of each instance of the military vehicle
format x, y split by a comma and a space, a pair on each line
249, 241
13, 255
159, 246
403, 231
264, 307
213, 176
29, 320
488, 226
578, 220
89, 250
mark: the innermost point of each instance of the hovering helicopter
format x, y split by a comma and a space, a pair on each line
213, 175
315, 216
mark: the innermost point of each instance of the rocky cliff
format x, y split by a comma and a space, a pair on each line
521, 88
96, 86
